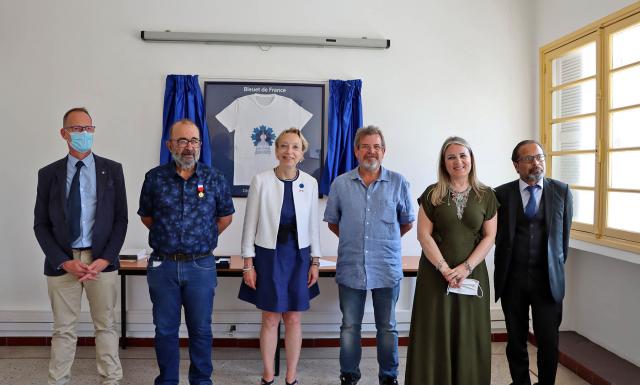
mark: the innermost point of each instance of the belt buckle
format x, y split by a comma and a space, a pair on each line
180, 257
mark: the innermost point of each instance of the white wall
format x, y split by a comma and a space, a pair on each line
556, 18
454, 67
602, 301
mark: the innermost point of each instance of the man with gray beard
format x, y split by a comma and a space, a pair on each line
534, 221
186, 205
369, 209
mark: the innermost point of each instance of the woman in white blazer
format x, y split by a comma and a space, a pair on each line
281, 250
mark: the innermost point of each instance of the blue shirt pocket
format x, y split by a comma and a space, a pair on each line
388, 212
389, 228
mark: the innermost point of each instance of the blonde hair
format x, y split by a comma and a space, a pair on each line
293, 130
441, 190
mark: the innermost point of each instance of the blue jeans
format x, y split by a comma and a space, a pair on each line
173, 285
384, 310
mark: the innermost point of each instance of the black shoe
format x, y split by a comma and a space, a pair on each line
389, 381
348, 379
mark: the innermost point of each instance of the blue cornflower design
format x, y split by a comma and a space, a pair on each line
263, 133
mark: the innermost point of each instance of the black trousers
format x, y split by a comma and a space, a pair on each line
521, 293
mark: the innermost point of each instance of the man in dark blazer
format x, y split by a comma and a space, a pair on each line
534, 221
80, 221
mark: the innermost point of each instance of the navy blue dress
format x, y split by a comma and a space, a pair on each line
282, 273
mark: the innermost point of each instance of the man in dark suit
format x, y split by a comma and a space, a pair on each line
534, 220
80, 223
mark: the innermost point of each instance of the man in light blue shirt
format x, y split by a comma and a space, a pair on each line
88, 197
80, 222
369, 209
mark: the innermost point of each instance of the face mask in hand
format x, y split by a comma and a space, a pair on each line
469, 286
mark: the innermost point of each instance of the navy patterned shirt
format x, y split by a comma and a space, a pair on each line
184, 212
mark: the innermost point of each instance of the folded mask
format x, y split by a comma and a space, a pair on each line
468, 287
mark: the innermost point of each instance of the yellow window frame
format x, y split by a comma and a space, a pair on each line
599, 32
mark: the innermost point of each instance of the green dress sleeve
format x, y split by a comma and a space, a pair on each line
425, 202
491, 204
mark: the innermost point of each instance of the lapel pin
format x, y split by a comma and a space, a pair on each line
201, 191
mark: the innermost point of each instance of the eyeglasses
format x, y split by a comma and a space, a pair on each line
531, 158
79, 129
367, 147
182, 142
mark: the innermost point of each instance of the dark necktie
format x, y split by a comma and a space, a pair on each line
74, 208
530, 210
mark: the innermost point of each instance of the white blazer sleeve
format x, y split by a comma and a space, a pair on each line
250, 226
314, 226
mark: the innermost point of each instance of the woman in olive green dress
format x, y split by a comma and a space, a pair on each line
450, 338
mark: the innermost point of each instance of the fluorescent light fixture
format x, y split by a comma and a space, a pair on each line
263, 40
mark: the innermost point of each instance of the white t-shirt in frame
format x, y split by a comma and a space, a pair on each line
257, 120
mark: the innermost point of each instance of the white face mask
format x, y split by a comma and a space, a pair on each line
469, 286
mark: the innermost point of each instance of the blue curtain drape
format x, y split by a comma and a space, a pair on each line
183, 99
345, 117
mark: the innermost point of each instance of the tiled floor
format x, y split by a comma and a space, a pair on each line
232, 366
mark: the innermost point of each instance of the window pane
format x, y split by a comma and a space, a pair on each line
622, 206
574, 135
577, 64
583, 206
625, 46
625, 128
623, 168
576, 100
575, 169
625, 87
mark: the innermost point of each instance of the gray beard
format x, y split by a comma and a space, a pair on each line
535, 177
185, 165
370, 165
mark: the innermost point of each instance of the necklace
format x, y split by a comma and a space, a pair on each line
275, 170
460, 199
